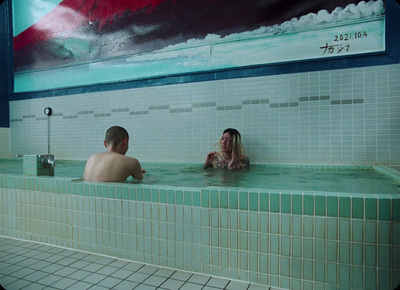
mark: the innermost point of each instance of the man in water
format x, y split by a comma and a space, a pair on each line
113, 165
231, 156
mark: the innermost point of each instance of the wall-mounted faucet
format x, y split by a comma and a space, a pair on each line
48, 161
37, 165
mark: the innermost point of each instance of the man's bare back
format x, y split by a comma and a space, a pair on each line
113, 165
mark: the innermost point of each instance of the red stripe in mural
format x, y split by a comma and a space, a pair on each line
72, 14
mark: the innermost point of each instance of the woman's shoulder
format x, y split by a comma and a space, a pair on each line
243, 162
243, 157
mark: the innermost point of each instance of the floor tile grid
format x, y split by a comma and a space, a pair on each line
27, 265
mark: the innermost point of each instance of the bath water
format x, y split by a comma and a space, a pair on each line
260, 177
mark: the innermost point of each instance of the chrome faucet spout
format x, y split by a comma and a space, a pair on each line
48, 161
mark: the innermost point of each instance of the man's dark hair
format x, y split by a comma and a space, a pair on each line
115, 135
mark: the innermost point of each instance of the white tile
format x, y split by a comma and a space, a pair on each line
52, 268
261, 287
145, 287
94, 278
66, 271
154, 281
164, 272
93, 267
138, 277
35, 286
133, 266
122, 274
235, 285
210, 288
49, 280
107, 270
148, 269
109, 282
183, 276
172, 284
79, 264
18, 284
79, 275
125, 285
23, 272
104, 260
217, 282
199, 279
64, 283
191, 286
36, 276
80, 286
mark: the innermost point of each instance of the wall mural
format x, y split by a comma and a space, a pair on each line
98, 41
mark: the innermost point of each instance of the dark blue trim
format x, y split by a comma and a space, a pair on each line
393, 29
390, 56
6, 63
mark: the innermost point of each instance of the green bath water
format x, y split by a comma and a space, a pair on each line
328, 179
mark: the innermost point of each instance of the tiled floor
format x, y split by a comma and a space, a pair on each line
27, 265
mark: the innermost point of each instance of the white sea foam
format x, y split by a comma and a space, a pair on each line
351, 12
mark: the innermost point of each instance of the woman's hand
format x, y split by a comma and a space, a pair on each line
209, 160
233, 160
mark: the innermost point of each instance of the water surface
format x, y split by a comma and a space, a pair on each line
266, 177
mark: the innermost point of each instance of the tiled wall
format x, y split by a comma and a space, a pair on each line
292, 240
349, 117
4, 142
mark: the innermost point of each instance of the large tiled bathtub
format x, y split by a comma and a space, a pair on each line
277, 235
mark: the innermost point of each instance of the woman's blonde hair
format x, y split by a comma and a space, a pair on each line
237, 144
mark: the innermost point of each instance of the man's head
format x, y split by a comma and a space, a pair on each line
117, 137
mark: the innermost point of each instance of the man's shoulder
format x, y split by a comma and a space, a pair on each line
98, 154
129, 159
95, 157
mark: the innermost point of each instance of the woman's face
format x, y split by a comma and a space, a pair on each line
226, 143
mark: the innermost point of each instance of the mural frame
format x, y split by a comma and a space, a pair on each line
389, 56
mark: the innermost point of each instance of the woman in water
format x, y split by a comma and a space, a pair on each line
231, 155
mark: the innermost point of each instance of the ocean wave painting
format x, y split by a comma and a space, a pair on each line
147, 38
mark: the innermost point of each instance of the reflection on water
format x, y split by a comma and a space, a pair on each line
219, 177
181, 175
193, 176
353, 181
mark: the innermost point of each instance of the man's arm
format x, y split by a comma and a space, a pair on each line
136, 169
